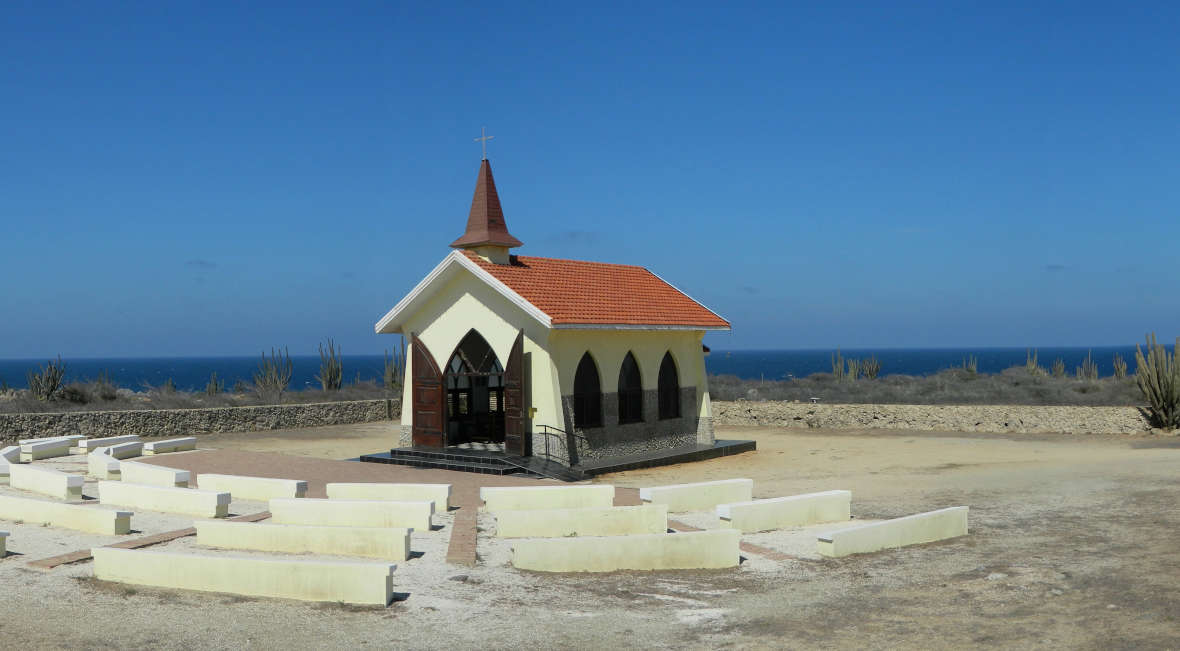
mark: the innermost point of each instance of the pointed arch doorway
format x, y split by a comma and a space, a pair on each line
474, 382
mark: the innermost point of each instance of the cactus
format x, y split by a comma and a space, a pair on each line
1120, 367
1030, 363
837, 365
331, 375
971, 364
214, 386
274, 374
47, 380
871, 367
1088, 370
395, 368
1158, 377
1058, 367
853, 370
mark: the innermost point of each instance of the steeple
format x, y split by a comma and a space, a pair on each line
487, 232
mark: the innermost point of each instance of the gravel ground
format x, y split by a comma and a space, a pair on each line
1072, 545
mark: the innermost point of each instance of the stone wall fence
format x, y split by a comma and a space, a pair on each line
188, 422
946, 418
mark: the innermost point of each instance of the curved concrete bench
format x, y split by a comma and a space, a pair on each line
101, 465
45, 450
662, 551
170, 445
66, 516
791, 511
526, 498
89, 445
351, 582
46, 481
392, 544
701, 496
259, 489
150, 475
440, 494
899, 532
186, 501
352, 513
598, 521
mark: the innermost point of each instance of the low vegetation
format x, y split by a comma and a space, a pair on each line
331, 376
1158, 376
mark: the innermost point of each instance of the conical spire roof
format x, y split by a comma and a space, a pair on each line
485, 222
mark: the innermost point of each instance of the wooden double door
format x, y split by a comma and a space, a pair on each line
442, 401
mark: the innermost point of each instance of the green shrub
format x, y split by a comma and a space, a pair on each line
1059, 367
971, 364
331, 374
102, 387
1158, 377
45, 382
1088, 370
241, 387
871, 367
74, 393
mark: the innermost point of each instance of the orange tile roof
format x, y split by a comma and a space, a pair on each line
577, 292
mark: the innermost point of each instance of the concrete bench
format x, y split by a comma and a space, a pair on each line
597, 521
10, 453
780, 512
353, 582
660, 551
101, 465
128, 450
45, 481
150, 475
186, 501
45, 450
899, 532
391, 544
702, 496
44, 439
526, 498
89, 445
352, 513
259, 489
4, 464
89, 519
170, 445
440, 494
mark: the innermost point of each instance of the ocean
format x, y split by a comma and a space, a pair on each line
192, 373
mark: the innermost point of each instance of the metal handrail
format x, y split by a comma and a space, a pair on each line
571, 450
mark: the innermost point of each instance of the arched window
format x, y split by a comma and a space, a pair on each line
630, 392
587, 394
669, 388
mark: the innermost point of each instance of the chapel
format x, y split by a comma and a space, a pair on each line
571, 361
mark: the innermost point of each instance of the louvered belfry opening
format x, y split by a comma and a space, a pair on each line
474, 380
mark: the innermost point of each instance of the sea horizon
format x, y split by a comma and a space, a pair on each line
191, 373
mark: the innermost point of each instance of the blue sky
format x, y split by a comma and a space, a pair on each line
215, 179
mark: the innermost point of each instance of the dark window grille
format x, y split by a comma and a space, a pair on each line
669, 389
630, 392
587, 394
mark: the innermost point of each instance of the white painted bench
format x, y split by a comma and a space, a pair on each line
781, 512
353, 582
259, 489
45, 481
101, 465
89, 445
899, 532
90, 519
440, 494
597, 521
701, 496
352, 513
128, 450
391, 544
44, 439
10, 453
145, 473
186, 501
170, 445
45, 450
661, 551
524, 498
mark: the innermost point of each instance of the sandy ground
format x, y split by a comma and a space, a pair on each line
1072, 545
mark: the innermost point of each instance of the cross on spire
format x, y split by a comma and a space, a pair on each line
483, 140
